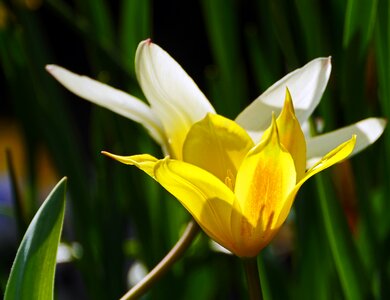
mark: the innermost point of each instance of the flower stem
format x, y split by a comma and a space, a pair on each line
176, 252
253, 279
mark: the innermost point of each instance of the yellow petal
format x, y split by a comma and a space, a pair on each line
367, 132
291, 135
217, 145
145, 162
336, 155
207, 199
264, 180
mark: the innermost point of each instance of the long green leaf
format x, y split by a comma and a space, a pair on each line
32, 274
360, 18
135, 26
230, 85
344, 252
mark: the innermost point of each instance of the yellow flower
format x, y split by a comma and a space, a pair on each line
239, 193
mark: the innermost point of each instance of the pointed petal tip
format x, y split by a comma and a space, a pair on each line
328, 64
383, 122
53, 69
288, 106
57, 71
326, 61
353, 142
349, 146
274, 135
288, 99
108, 154
122, 159
147, 42
145, 162
50, 67
288, 94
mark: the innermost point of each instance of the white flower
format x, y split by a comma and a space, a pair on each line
176, 102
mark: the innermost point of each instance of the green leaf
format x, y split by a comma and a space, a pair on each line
347, 261
311, 19
360, 18
229, 80
32, 274
135, 26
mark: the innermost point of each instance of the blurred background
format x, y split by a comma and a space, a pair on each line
119, 223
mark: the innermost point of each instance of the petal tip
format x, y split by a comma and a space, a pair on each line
148, 41
119, 158
288, 107
327, 65
353, 140
288, 98
108, 154
274, 128
51, 68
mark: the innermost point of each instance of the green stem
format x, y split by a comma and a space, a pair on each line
164, 265
253, 279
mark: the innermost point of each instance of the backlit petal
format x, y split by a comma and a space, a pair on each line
207, 199
334, 156
265, 179
367, 132
218, 145
145, 162
173, 95
291, 136
306, 85
110, 98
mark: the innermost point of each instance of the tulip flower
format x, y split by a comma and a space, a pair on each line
176, 103
239, 192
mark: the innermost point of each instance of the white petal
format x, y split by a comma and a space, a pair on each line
172, 94
306, 86
367, 132
111, 98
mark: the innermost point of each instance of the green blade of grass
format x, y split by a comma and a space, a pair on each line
382, 43
282, 26
229, 82
135, 26
344, 252
32, 274
313, 251
100, 20
360, 18
310, 14
264, 61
